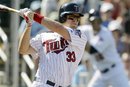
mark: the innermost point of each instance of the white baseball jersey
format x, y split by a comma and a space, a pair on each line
109, 69
59, 58
104, 43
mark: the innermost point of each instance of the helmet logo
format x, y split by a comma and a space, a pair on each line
76, 8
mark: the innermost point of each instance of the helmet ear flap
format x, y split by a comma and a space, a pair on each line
62, 18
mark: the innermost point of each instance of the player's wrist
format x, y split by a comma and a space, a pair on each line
38, 18
28, 25
28, 21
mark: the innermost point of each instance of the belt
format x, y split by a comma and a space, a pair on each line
51, 83
107, 69
48, 82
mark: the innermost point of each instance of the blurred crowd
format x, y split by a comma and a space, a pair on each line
115, 15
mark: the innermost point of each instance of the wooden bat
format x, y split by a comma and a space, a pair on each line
8, 9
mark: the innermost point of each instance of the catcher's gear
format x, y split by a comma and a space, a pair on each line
68, 8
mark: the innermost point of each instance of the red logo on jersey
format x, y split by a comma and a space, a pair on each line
55, 46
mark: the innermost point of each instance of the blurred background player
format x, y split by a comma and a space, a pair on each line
109, 69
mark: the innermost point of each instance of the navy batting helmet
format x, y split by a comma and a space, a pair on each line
68, 8
93, 15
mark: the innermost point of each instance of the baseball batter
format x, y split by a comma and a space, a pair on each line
105, 58
59, 53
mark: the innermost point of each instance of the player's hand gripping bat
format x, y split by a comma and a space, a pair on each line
20, 12
8, 9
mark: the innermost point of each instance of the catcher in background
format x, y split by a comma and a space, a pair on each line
59, 51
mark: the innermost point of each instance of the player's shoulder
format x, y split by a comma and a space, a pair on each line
86, 27
106, 32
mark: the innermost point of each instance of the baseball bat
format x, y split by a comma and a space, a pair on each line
8, 9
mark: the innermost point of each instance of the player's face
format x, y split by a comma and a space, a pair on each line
73, 20
96, 24
107, 15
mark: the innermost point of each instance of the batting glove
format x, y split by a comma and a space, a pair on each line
22, 11
27, 14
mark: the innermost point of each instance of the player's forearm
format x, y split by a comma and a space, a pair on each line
25, 41
52, 25
55, 27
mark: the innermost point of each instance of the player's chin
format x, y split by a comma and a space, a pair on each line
74, 25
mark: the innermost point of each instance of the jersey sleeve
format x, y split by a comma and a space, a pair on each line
36, 42
87, 31
100, 43
77, 37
